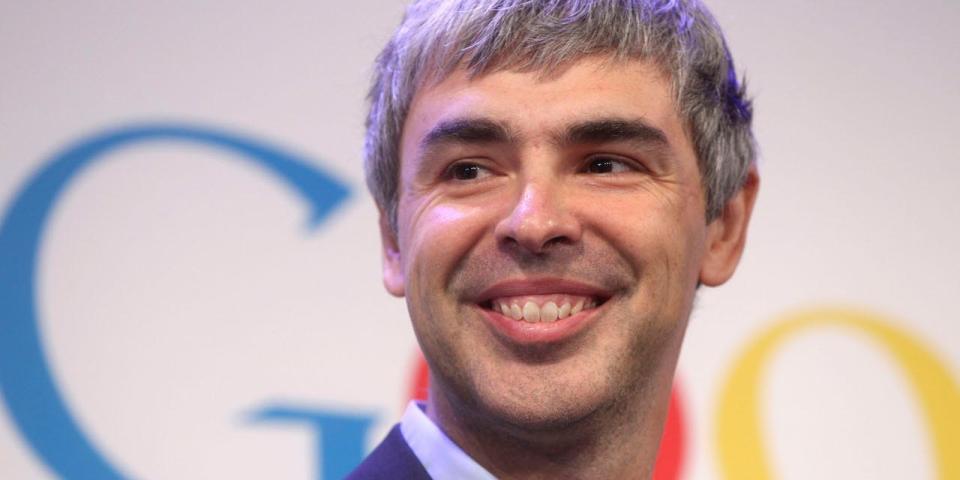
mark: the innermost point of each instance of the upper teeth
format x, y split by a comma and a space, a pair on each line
549, 311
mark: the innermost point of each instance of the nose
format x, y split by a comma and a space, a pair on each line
539, 219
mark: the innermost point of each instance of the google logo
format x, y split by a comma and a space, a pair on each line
35, 403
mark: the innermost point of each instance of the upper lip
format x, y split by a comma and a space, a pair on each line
541, 286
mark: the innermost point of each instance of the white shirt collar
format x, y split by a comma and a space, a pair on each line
442, 458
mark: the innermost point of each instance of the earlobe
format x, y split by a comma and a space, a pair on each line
727, 234
393, 279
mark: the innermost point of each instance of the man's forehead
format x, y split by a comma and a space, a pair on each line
435, 73
592, 98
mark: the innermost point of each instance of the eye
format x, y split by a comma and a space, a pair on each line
466, 171
605, 165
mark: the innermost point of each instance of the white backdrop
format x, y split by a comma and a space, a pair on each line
178, 290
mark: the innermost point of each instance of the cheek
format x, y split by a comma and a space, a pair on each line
660, 234
633, 223
437, 237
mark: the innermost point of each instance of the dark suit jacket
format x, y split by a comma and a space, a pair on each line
391, 460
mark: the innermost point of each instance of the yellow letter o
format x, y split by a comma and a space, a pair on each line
738, 431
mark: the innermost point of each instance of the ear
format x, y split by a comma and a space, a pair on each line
727, 234
393, 278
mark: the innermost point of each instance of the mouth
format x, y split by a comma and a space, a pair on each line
530, 312
542, 308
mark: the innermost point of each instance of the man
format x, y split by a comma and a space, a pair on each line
556, 179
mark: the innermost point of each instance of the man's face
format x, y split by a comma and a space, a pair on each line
551, 234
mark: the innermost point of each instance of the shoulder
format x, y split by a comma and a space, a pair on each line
392, 459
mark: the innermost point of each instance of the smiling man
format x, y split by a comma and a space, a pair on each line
556, 179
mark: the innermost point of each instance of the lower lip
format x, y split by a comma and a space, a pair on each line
538, 333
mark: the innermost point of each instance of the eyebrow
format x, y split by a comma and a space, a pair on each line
466, 130
608, 130
597, 131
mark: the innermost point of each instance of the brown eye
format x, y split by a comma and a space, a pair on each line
601, 165
467, 171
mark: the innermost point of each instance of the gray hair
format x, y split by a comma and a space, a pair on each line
681, 36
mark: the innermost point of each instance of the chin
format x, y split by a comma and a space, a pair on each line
540, 406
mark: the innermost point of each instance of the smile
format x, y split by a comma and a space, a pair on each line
541, 308
541, 311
